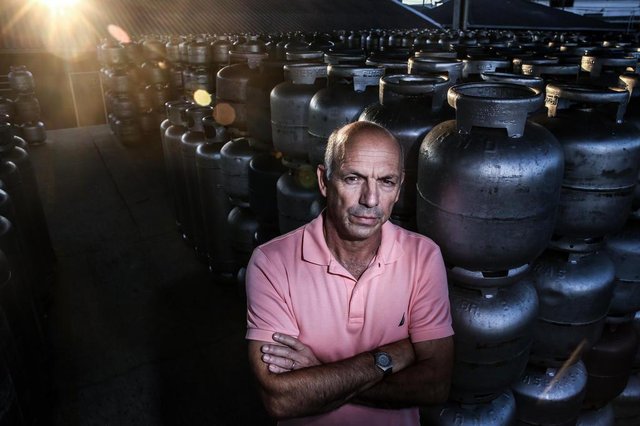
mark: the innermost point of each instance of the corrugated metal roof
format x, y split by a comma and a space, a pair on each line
517, 14
30, 25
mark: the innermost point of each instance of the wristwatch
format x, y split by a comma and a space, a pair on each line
383, 362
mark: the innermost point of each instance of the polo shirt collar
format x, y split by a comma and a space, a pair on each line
315, 249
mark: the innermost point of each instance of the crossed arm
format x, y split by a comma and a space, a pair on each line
294, 383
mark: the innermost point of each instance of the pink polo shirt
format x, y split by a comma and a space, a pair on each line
296, 286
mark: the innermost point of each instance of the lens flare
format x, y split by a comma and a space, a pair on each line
59, 4
118, 33
64, 27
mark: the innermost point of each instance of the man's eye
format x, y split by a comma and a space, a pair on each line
388, 182
351, 179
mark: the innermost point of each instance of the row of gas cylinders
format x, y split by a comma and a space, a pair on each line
493, 189
23, 107
135, 91
225, 191
180, 62
139, 78
206, 50
192, 63
26, 275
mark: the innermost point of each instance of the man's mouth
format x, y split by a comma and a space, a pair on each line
365, 220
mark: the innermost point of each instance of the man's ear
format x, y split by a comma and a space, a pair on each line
321, 172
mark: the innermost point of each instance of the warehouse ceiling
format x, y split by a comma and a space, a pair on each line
516, 14
78, 24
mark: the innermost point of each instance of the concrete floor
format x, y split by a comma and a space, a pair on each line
140, 332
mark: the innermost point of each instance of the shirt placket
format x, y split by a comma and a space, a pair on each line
358, 294
356, 303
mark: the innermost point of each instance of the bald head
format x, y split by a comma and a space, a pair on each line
342, 138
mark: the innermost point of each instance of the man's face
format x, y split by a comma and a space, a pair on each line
363, 189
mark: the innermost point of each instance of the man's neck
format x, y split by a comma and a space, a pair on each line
355, 256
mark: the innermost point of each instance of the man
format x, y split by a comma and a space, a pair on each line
348, 316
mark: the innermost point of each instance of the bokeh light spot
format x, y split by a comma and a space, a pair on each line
224, 114
202, 97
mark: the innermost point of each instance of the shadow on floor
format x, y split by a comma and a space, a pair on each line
140, 332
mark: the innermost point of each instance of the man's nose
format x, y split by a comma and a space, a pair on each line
369, 195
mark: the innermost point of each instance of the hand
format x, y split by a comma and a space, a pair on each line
290, 355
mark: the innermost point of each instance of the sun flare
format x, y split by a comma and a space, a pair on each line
59, 4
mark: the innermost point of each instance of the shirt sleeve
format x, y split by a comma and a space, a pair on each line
268, 300
430, 308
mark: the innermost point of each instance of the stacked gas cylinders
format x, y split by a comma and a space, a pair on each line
26, 266
583, 344
488, 189
24, 111
136, 81
623, 248
585, 284
579, 320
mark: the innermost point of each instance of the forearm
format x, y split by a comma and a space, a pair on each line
417, 385
319, 389
322, 388
425, 382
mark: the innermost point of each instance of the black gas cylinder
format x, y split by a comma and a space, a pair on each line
299, 198
174, 166
215, 202
290, 108
349, 91
489, 182
609, 361
189, 143
601, 159
409, 106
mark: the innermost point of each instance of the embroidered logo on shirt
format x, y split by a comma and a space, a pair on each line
401, 321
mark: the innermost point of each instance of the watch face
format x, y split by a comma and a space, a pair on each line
383, 359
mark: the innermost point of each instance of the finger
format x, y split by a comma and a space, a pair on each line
277, 370
268, 348
282, 362
290, 341
278, 350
